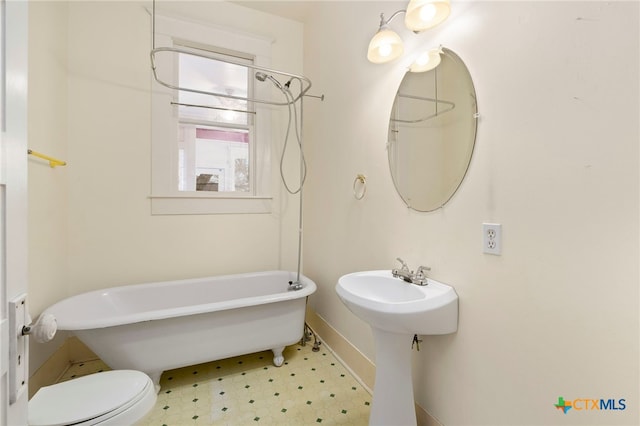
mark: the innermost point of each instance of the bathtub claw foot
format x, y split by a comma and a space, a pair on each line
278, 359
155, 378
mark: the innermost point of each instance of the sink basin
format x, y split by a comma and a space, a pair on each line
396, 310
394, 305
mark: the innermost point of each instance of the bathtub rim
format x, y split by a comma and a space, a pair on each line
65, 323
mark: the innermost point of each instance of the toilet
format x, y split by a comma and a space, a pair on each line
118, 397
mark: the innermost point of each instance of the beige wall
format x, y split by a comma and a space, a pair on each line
556, 163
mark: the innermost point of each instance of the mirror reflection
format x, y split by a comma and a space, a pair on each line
432, 131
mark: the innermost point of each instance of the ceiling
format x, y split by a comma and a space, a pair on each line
290, 9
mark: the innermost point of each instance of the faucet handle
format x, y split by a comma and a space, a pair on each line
420, 278
421, 270
404, 266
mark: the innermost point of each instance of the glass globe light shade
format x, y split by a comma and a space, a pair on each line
426, 61
385, 46
424, 14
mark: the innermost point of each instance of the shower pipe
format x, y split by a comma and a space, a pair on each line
303, 177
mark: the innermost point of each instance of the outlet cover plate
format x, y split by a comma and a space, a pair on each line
492, 238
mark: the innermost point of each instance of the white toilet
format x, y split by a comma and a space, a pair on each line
119, 397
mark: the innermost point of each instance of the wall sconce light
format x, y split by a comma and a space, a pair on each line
386, 45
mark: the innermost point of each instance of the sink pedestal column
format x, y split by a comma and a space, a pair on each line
393, 390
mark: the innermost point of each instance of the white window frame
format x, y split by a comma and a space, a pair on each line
165, 196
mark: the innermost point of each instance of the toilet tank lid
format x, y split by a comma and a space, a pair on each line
86, 397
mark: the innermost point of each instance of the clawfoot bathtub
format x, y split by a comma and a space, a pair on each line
165, 325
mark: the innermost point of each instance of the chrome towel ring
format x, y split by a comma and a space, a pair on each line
360, 186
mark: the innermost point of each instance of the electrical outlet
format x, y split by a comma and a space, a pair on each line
492, 238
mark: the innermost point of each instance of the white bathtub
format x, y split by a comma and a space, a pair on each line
160, 326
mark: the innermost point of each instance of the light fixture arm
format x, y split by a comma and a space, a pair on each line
396, 13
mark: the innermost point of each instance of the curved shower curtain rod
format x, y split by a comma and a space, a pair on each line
305, 83
450, 106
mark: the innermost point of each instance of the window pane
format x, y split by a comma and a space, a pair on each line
211, 75
213, 159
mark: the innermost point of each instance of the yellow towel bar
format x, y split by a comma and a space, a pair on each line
53, 162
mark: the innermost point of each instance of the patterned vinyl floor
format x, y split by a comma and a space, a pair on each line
311, 388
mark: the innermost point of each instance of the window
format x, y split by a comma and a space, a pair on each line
215, 134
209, 154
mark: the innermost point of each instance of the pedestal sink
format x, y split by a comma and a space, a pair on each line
396, 310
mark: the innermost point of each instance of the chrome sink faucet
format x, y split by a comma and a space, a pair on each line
404, 273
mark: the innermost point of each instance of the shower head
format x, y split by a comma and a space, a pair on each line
260, 76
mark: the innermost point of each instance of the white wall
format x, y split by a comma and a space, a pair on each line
556, 162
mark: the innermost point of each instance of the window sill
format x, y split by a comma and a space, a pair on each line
197, 203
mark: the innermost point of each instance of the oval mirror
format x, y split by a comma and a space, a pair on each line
432, 131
